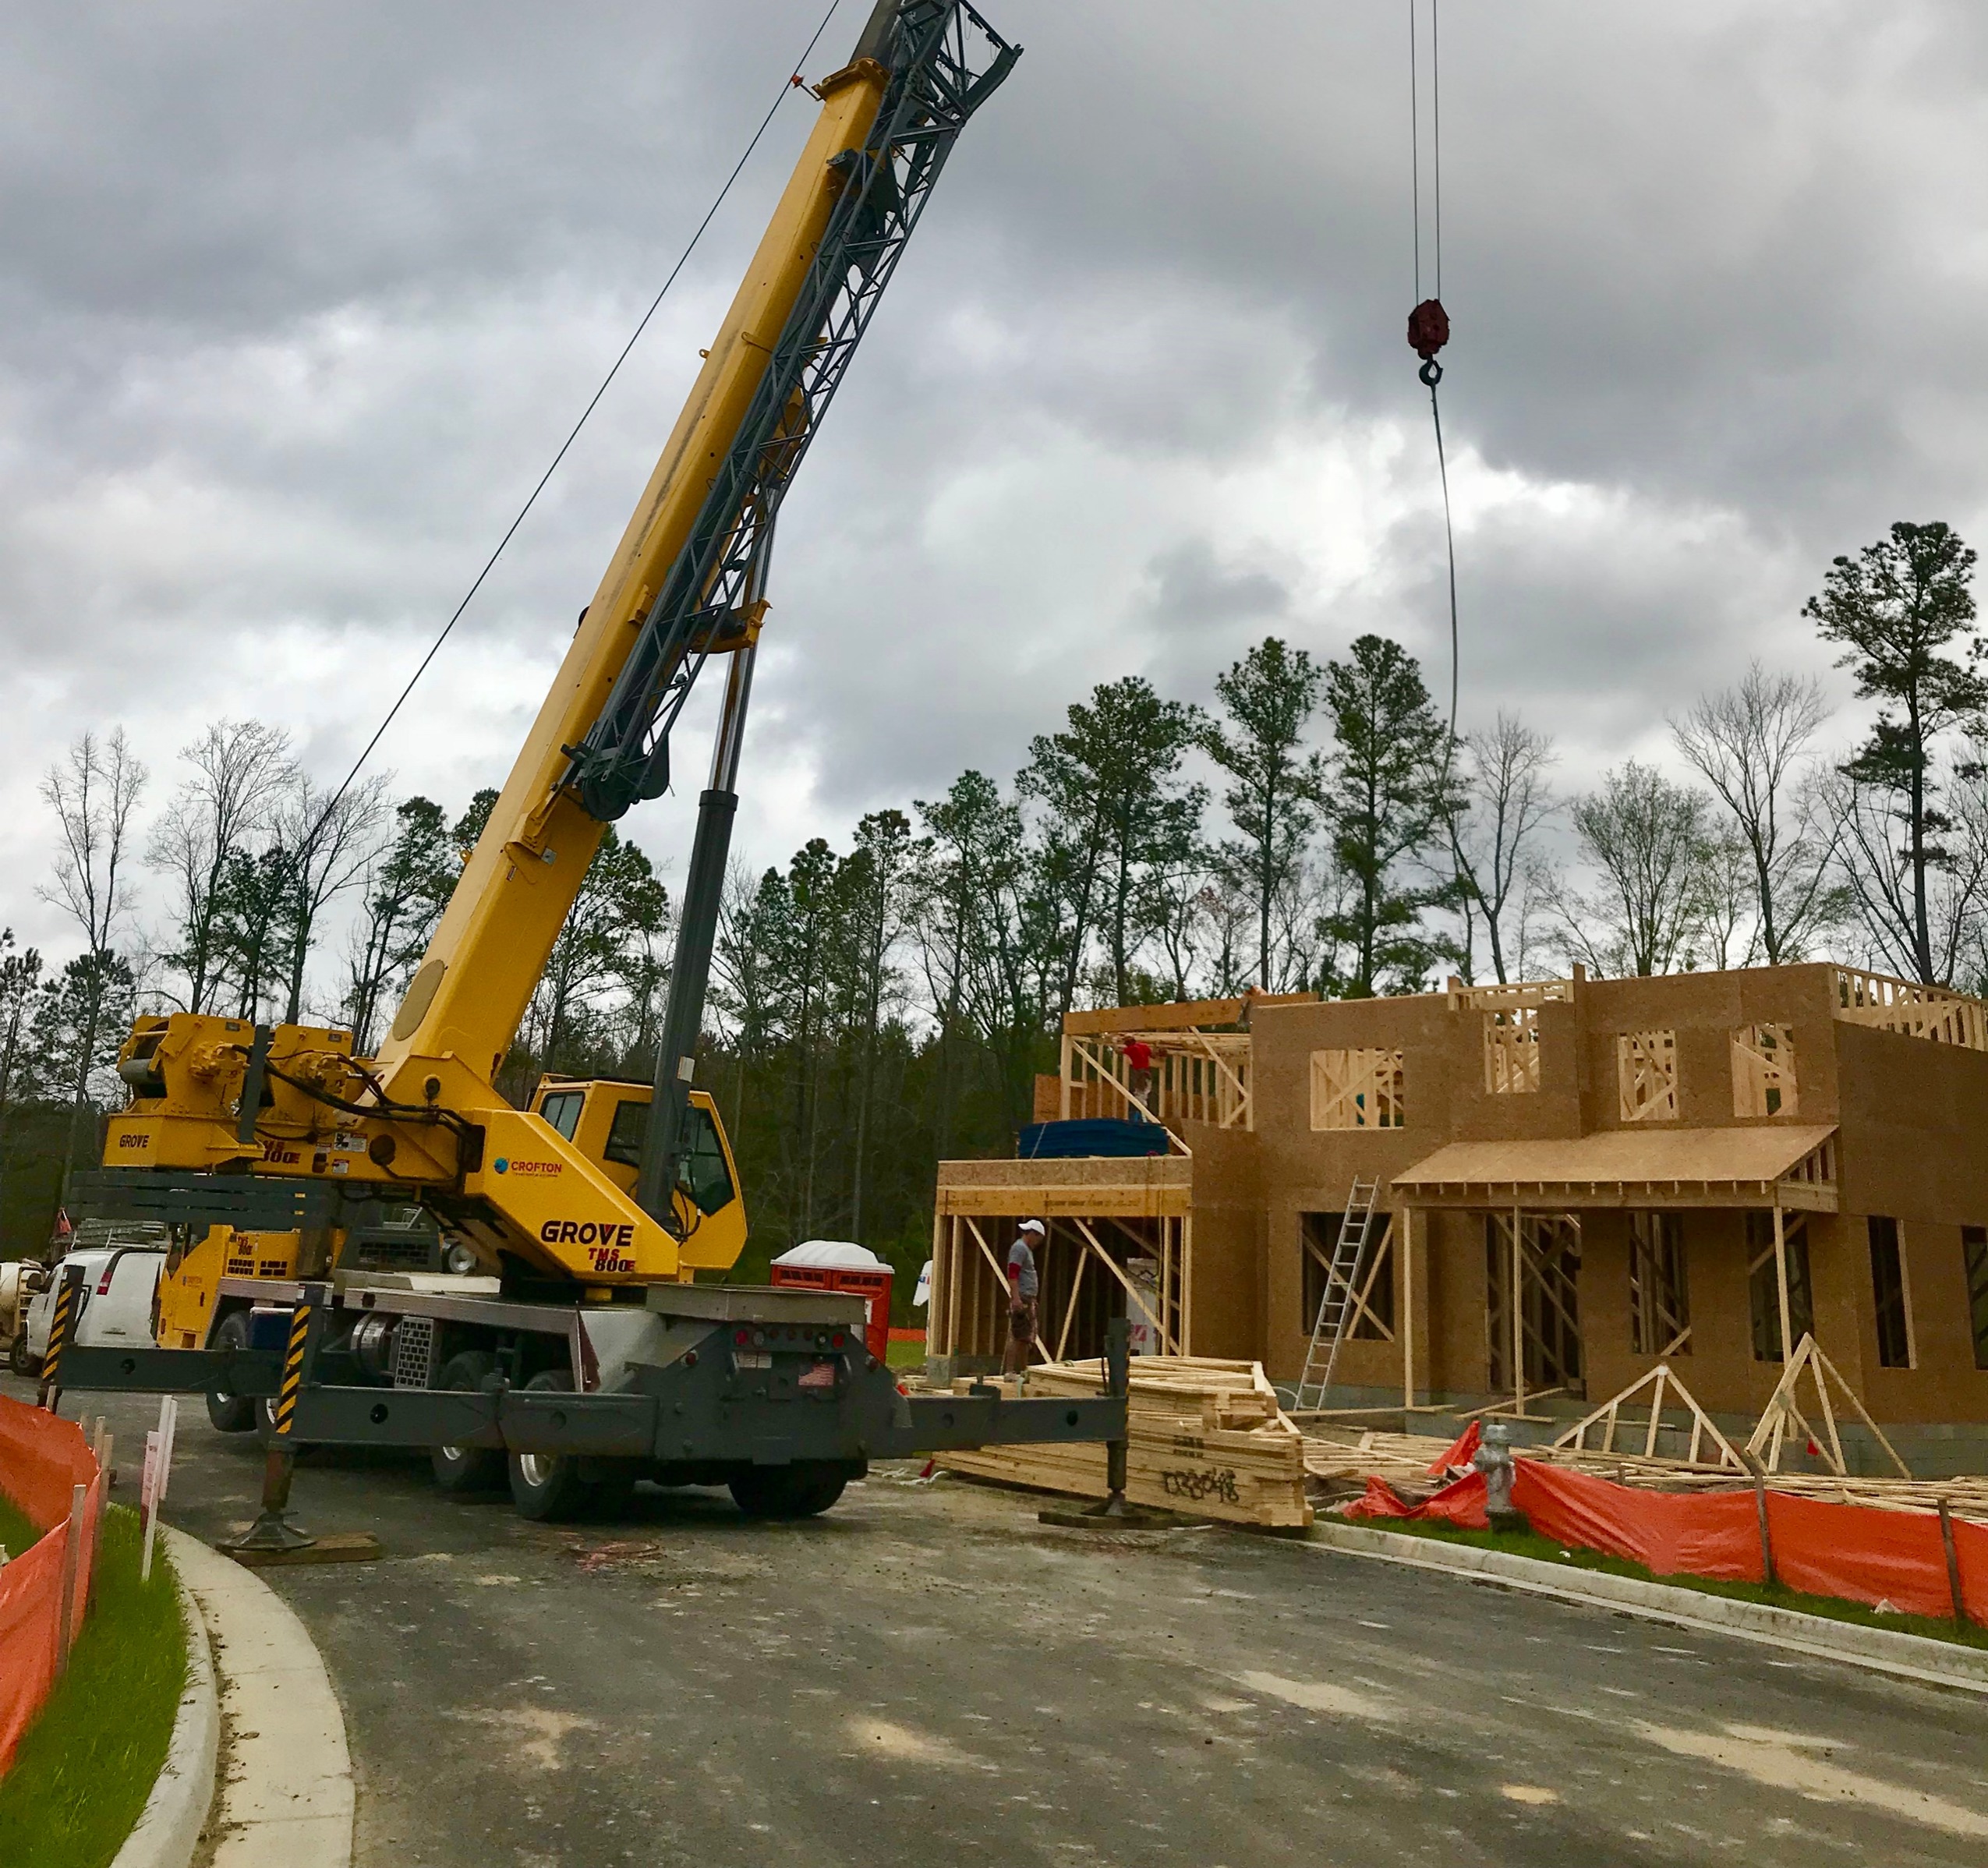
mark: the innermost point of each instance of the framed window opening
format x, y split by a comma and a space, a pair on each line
1358, 1090
1511, 1051
1891, 1295
1660, 1295
1974, 1257
1763, 1288
1763, 1078
1646, 1076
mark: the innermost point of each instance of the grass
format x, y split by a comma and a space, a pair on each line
905, 1355
1831, 1608
17, 1532
83, 1770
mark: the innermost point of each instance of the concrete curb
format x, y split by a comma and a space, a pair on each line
168, 1828
286, 1795
1909, 1657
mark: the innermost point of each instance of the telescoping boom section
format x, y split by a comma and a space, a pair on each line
221, 1108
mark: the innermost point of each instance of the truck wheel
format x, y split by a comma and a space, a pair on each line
19, 1359
231, 1414
804, 1490
466, 1469
547, 1487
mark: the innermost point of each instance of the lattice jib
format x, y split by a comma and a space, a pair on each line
1647, 1073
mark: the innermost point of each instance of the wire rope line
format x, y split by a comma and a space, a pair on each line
1428, 325
788, 86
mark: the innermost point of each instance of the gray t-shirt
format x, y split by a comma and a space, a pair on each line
1022, 1260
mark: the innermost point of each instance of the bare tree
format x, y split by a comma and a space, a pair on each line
225, 806
327, 846
1752, 743
1506, 799
93, 789
1647, 839
1728, 931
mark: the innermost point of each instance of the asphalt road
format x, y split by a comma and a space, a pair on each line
927, 1675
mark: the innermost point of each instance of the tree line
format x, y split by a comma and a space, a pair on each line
1311, 824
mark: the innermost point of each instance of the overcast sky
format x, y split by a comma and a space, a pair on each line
298, 301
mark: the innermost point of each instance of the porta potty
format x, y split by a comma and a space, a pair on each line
836, 1265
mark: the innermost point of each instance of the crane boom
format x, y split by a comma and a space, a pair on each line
674, 592
685, 582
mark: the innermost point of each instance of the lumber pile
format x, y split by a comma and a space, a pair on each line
1205, 1438
1339, 1464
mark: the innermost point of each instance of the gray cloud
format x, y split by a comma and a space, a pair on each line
298, 300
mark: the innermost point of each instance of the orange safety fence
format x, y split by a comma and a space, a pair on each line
41, 1459
1859, 1553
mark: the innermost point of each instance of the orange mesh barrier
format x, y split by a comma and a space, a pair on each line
41, 1458
1970, 1546
1705, 1534
1462, 1502
1861, 1555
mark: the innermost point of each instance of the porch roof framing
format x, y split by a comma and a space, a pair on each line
1785, 1165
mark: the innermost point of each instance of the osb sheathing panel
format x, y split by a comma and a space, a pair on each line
1228, 1241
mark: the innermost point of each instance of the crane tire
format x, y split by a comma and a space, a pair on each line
547, 1488
467, 1469
230, 1413
803, 1490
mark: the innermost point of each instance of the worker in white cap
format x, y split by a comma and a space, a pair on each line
1023, 1285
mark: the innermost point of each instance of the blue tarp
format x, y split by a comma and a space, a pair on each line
1097, 1135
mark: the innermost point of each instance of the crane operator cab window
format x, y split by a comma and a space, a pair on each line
561, 1110
704, 1177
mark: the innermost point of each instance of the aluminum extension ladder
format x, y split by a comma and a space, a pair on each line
1335, 1307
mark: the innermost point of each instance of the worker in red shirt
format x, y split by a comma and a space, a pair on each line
1138, 1057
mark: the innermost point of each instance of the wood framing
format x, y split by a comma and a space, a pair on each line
1764, 1073
1357, 1090
1903, 1005
1782, 1413
1646, 1076
1610, 1413
1103, 1217
1511, 1051
1196, 1076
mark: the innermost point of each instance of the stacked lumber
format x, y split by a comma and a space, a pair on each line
1343, 1462
1205, 1437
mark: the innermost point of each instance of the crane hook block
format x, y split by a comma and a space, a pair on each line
1428, 328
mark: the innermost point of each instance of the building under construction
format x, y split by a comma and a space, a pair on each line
1570, 1181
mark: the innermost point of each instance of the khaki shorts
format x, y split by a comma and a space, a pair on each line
1021, 1320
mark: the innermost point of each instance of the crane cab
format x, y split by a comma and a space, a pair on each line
604, 1118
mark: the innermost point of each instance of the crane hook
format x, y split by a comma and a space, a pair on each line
1428, 331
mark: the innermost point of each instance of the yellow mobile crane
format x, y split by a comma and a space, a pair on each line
563, 1336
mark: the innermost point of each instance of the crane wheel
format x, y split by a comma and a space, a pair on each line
231, 1414
547, 1487
466, 1469
803, 1490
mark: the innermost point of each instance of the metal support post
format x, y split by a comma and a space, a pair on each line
68, 1306
273, 1531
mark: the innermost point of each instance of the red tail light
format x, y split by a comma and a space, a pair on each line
103, 1283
